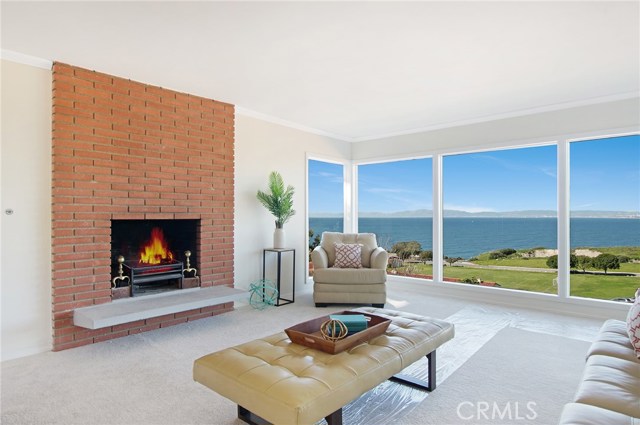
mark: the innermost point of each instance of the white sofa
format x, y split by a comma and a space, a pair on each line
609, 393
365, 285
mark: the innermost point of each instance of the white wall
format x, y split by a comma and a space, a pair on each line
25, 187
510, 131
262, 147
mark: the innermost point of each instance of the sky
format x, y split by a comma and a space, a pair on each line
395, 186
504, 180
604, 176
326, 193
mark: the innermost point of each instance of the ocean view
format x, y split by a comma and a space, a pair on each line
468, 237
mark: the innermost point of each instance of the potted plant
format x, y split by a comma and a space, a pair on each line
278, 200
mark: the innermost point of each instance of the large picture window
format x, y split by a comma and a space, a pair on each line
326, 199
605, 218
500, 218
395, 202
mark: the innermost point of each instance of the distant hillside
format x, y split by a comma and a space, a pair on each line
487, 214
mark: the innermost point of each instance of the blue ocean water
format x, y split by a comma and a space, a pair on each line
468, 237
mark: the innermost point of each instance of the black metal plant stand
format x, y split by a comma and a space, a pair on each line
279, 252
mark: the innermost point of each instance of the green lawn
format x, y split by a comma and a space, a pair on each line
629, 267
629, 251
541, 263
526, 281
604, 287
589, 286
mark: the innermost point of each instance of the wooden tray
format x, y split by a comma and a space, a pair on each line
308, 333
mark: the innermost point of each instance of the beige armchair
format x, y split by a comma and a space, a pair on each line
364, 285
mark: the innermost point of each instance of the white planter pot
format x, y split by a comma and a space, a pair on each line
279, 239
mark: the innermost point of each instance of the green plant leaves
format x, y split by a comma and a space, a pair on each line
278, 200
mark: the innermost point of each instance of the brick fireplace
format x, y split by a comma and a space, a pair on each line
124, 150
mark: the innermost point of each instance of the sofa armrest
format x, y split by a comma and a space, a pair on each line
319, 258
379, 258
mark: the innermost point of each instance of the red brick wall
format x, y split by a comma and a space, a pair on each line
127, 150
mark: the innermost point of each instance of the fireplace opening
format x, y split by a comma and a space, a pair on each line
153, 256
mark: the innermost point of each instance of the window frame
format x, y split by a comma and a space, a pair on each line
562, 143
347, 204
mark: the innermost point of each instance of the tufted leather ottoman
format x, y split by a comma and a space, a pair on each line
281, 382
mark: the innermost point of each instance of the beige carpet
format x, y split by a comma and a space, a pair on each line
146, 378
518, 377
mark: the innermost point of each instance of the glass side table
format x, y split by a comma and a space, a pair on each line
279, 252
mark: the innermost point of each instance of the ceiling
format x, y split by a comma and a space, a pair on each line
352, 70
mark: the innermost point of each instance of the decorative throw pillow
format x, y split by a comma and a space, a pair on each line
348, 256
633, 324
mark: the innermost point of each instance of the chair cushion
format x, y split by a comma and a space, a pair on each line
350, 276
333, 293
348, 256
367, 240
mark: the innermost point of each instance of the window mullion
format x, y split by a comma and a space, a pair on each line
564, 247
437, 218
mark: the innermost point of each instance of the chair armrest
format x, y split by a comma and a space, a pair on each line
319, 258
379, 258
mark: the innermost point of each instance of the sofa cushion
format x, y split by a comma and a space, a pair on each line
584, 414
613, 341
367, 240
348, 256
350, 276
611, 383
633, 324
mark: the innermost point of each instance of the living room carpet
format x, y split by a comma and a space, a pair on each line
518, 377
146, 378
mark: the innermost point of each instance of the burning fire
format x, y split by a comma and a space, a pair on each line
156, 250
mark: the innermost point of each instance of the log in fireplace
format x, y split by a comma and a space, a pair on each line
152, 256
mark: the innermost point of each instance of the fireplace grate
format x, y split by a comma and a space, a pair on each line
153, 278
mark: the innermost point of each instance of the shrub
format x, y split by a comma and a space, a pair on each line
406, 249
507, 251
452, 260
472, 280
495, 255
426, 255
606, 262
583, 262
552, 262
501, 253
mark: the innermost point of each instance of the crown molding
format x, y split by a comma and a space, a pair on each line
12, 56
274, 120
513, 114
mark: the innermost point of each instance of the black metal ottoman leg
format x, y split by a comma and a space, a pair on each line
250, 417
335, 418
431, 357
430, 385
